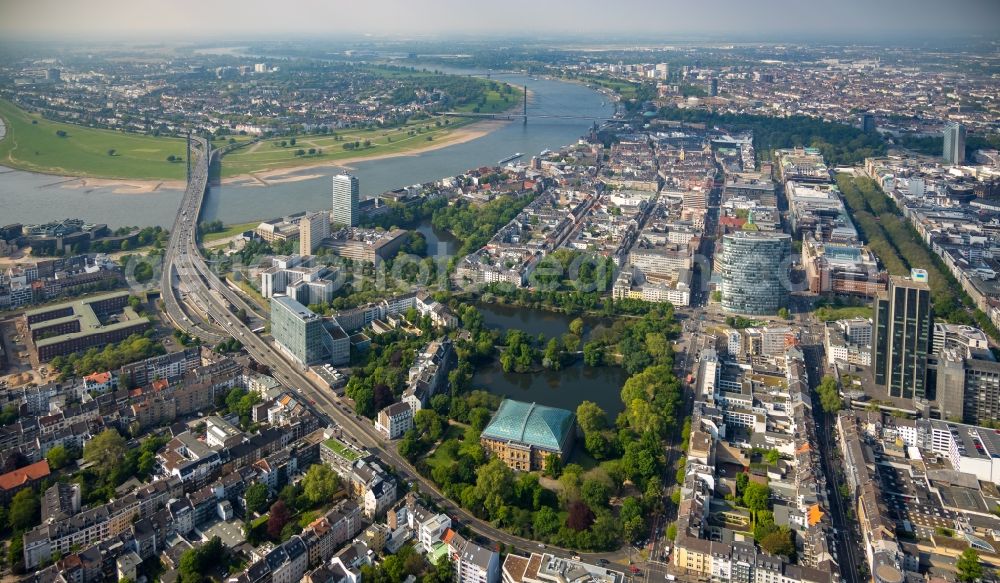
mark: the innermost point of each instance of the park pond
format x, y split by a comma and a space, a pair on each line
565, 388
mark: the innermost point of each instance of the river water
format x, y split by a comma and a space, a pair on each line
31, 198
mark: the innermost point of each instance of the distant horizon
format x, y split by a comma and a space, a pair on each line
611, 42
919, 21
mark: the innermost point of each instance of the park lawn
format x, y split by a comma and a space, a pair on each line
84, 151
496, 102
229, 231
440, 455
829, 314
270, 155
626, 89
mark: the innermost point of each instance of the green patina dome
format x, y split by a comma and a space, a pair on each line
536, 425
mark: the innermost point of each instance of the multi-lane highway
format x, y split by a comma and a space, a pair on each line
189, 283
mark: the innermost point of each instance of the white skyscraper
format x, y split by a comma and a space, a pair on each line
345, 199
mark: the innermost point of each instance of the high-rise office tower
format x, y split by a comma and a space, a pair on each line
714, 87
754, 267
345, 199
298, 331
904, 327
954, 142
302, 335
867, 122
313, 228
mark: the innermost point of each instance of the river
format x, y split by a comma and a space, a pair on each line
565, 388
31, 198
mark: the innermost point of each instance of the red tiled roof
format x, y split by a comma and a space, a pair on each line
98, 377
447, 536
35, 471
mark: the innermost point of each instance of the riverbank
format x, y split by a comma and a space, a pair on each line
287, 174
32, 143
283, 175
36, 198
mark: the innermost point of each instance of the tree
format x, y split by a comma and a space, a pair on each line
779, 542
553, 465
112, 152
595, 493
278, 518
58, 457
633, 521
591, 417
106, 451
580, 516
672, 531
197, 560
772, 456
829, 395
968, 566
545, 523
552, 357
651, 397
428, 423
599, 445
257, 496
320, 484
494, 485
143, 273
171, 158
742, 479
593, 354
11, 412
479, 418
756, 497
24, 509
576, 326
784, 314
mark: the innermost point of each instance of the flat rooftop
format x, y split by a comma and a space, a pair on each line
90, 323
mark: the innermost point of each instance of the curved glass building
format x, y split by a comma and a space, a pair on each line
754, 267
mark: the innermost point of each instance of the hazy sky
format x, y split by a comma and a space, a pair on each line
594, 18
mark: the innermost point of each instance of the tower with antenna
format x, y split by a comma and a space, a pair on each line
525, 108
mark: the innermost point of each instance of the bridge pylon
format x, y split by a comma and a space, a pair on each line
525, 107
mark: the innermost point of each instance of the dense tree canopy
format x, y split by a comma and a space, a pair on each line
320, 484
105, 451
840, 144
